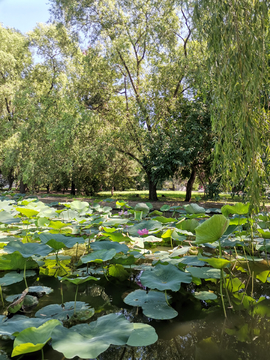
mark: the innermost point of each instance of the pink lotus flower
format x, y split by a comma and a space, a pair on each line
143, 232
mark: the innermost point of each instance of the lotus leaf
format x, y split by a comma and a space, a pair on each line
205, 295
165, 277
212, 229
13, 277
217, 263
33, 339
88, 341
117, 237
238, 208
59, 241
142, 335
18, 323
188, 225
16, 261
153, 304
7, 218
194, 209
165, 208
98, 256
28, 249
27, 212
142, 207
204, 273
107, 245
63, 312
79, 280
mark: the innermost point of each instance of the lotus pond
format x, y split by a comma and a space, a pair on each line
84, 281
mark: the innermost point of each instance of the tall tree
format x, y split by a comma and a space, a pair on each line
146, 44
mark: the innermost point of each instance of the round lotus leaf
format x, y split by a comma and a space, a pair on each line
204, 273
159, 311
7, 218
142, 335
88, 341
142, 207
28, 249
205, 295
98, 256
79, 280
27, 212
62, 312
165, 277
39, 291
30, 302
141, 297
107, 245
212, 229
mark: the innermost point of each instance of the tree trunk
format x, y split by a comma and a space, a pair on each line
152, 189
73, 190
22, 187
190, 184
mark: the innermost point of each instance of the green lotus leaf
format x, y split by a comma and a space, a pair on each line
159, 311
165, 208
164, 220
13, 277
181, 251
80, 206
142, 335
213, 210
89, 340
194, 209
115, 222
165, 277
7, 218
57, 225
98, 256
238, 221
27, 249
33, 339
238, 208
141, 297
204, 273
69, 215
123, 260
167, 234
155, 213
142, 207
212, 229
264, 233
191, 261
27, 212
79, 280
59, 241
117, 237
107, 245
205, 295
18, 323
150, 225
217, 263
16, 261
39, 290
188, 225
63, 312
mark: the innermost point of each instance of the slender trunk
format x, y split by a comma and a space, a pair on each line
190, 184
22, 187
152, 189
48, 189
73, 190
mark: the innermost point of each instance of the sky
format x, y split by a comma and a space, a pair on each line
23, 15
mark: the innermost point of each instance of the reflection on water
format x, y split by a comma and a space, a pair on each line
198, 333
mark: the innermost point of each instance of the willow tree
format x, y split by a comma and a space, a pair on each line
237, 36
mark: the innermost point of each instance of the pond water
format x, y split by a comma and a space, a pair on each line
199, 332
133, 278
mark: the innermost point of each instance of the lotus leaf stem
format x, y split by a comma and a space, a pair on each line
166, 298
75, 299
24, 275
221, 282
1, 294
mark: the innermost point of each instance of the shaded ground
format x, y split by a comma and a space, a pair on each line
156, 204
